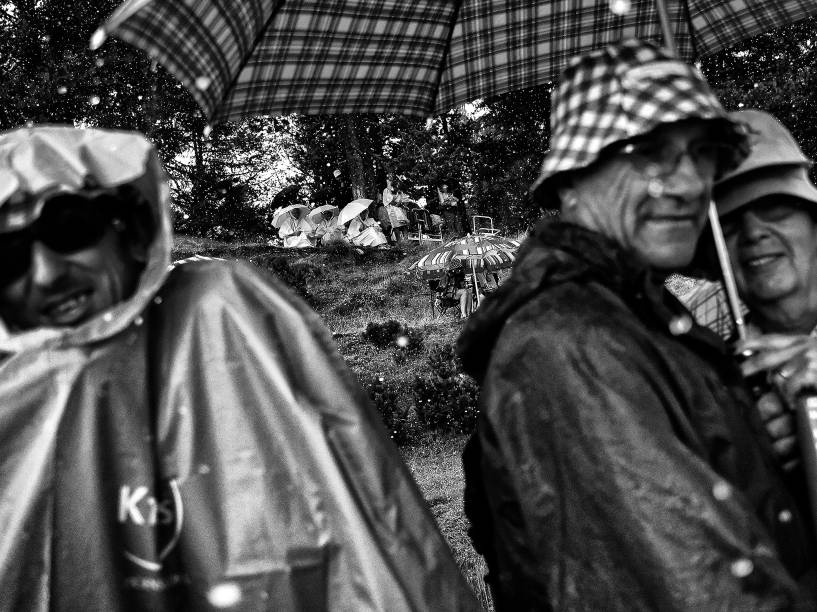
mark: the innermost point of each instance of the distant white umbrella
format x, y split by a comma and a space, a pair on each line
316, 212
352, 210
280, 215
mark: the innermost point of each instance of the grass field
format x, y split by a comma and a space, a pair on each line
349, 289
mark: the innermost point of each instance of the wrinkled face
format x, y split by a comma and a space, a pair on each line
773, 246
652, 196
68, 269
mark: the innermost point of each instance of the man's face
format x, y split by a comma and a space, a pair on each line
773, 246
59, 288
651, 197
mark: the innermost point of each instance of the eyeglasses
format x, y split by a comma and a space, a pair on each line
68, 222
766, 210
660, 158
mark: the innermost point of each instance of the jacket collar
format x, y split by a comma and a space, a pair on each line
558, 252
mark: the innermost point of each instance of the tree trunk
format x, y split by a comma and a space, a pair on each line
354, 156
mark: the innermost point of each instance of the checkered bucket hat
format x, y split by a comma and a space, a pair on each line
622, 92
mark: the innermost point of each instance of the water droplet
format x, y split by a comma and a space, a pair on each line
402, 341
721, 490
93, 100
107, 317
97, 39
785, 516
740, 105
224, 595
208, 129
62, 89
99, 62
29, 124
680, 324
619, 7
157, 299
203, 82
138, 321
742, 568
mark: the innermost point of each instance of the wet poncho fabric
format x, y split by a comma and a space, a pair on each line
199, 447
617, 462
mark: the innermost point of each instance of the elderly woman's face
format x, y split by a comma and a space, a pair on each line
652, 196
773, 246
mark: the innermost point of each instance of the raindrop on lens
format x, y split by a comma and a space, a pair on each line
62, 89
208, 129
203, 82
224, 595
619, 7
680, 325
655, 188
742, 568
402, 341
93, 100
721, 490
97, 39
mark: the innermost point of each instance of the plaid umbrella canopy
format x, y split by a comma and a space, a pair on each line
241, 58
480, 252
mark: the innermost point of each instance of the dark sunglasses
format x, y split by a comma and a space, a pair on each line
770, 210
68, 222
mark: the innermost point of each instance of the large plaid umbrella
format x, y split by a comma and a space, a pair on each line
241, 58
488, 253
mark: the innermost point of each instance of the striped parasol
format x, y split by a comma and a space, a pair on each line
489, 253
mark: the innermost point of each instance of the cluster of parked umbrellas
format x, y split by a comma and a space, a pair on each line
347, 213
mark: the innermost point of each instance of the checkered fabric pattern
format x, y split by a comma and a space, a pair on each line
708, 304
241, 58
483, 252
619, 93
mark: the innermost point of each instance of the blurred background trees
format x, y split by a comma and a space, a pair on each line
225, 178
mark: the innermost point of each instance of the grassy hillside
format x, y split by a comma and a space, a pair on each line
351, 289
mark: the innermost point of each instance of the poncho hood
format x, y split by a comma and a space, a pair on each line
35, 161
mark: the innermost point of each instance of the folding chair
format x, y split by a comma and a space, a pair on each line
483, 225
420, 228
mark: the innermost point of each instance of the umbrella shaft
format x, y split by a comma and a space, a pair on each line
729, 285
666, 29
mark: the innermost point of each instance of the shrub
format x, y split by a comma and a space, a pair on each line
393, 333
445, 399
360, 299
296, 277
400, 423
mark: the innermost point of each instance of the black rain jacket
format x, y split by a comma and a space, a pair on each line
618, 465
